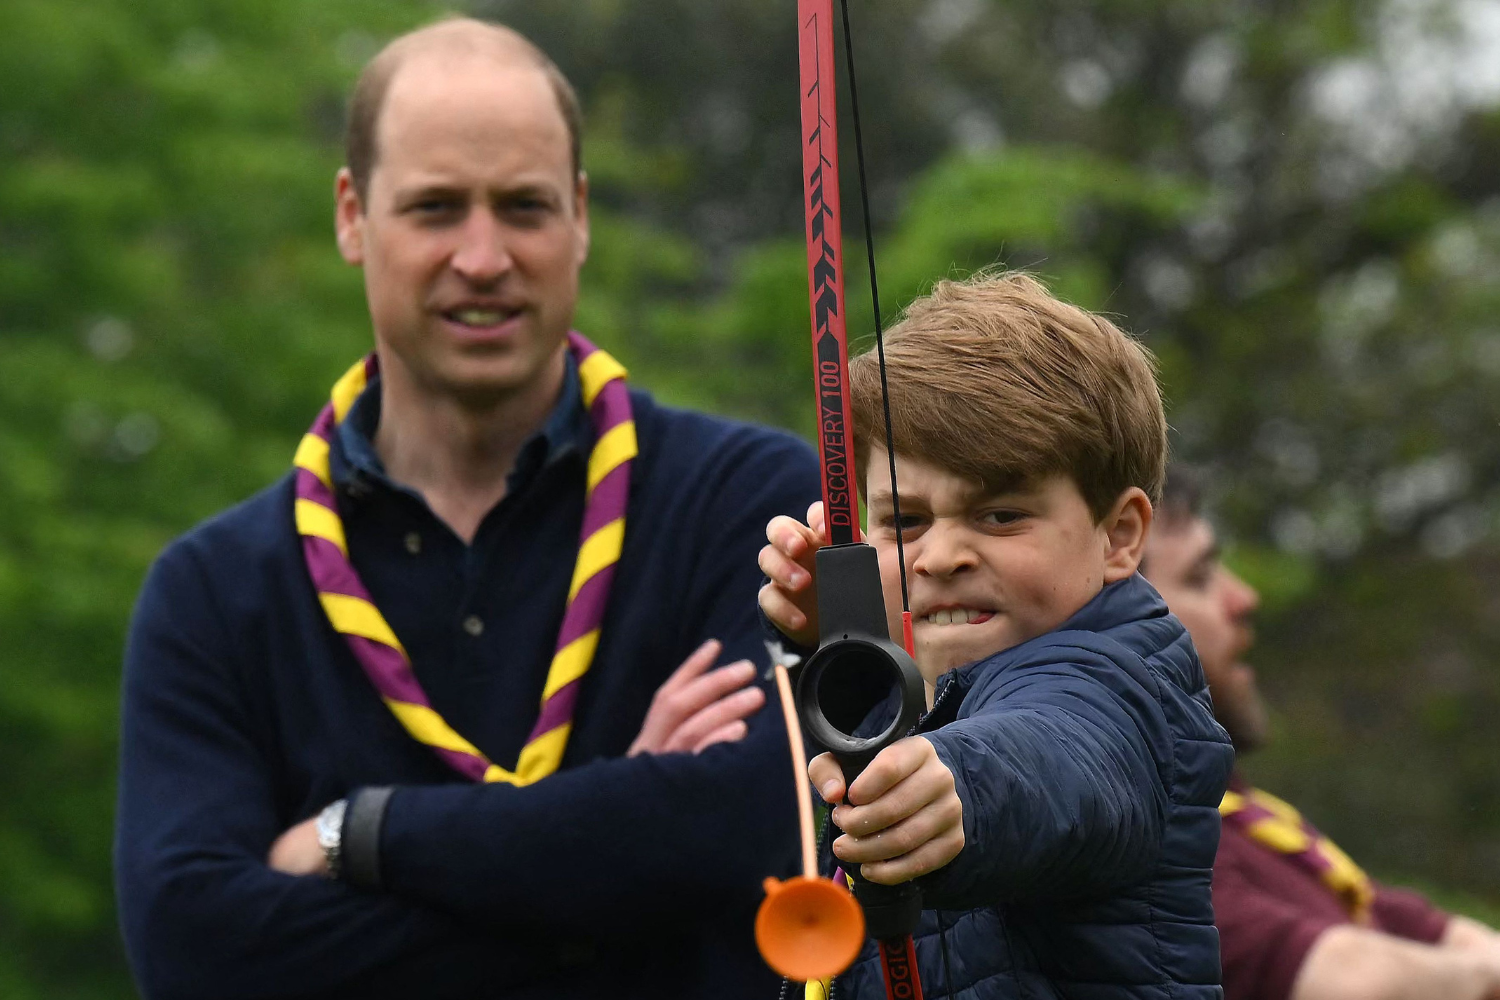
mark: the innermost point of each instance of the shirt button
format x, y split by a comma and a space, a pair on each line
474, 625
413, 543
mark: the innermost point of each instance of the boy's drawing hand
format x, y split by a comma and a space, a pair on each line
790, 600
903, 818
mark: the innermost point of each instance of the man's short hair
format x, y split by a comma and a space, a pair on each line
994, 380
361, 148
1181, 496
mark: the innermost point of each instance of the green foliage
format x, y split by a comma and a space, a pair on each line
1284, 580
1031, 208
1321, 300
170, 308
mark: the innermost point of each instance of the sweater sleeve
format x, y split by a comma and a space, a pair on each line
201, 912
569, 852
1409, 915
1264, 937
1060, 788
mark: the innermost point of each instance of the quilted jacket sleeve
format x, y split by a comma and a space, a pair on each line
1058, 763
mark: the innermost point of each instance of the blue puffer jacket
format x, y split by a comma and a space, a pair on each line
1090, 769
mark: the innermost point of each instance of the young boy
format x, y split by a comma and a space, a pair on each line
1058, 807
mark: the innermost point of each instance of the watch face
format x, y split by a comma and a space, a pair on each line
331, 824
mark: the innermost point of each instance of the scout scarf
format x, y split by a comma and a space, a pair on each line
353, 614
1276, 824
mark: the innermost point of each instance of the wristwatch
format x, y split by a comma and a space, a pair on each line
331, 836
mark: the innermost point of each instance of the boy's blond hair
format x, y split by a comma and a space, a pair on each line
994, 380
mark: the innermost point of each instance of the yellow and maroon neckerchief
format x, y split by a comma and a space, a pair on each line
1276, 824
353, 614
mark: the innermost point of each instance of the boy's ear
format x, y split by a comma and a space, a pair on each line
1125, 528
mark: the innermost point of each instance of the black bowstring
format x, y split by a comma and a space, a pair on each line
885, 388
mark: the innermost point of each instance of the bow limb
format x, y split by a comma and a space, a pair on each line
825, 268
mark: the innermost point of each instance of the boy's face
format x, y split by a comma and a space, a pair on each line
988, 571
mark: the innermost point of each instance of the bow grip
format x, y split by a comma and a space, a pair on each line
856, 665
855, 668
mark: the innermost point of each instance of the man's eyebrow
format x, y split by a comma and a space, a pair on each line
406, 196
1208, 556
438, 189
534, 190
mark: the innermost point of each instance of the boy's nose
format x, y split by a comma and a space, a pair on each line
943, 551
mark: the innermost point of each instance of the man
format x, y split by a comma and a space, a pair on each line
1297, 918
402, 725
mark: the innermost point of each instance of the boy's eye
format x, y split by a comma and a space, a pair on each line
909, 522
1002, 517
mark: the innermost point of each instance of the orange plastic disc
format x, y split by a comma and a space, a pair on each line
809, 928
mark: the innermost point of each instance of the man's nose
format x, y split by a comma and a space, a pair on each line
481, 257
1243, 598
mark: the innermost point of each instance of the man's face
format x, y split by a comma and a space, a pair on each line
1182, 563
985, 571
473, 229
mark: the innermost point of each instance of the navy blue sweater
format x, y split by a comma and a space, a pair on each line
244, 713
1090, 769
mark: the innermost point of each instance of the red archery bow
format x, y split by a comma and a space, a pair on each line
825, 285
825, 267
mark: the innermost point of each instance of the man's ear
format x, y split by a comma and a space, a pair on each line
1125, 528
581, 212
348, 218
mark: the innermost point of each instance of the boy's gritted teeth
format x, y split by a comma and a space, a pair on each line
957, 616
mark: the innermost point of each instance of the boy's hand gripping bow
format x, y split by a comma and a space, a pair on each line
804, 929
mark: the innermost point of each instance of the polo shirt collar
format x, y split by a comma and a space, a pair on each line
356, 467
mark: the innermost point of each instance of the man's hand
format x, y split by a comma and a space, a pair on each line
903, 818
297, 852
1347, 962
694, 710
790, 600
1470, 935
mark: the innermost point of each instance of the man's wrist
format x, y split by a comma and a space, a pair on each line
359, 851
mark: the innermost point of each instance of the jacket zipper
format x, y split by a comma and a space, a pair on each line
937, 703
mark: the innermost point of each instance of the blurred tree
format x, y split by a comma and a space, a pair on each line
1296, 204
170, 309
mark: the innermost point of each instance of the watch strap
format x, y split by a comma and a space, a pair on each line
360, 850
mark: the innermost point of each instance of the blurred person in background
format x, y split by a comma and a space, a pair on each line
335, 777
1297, 917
